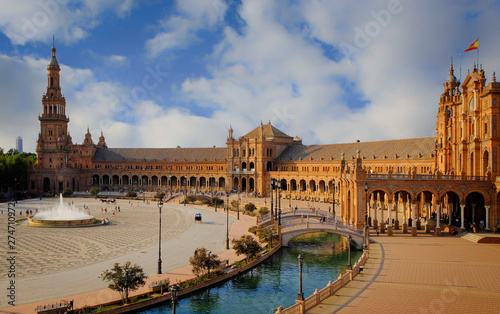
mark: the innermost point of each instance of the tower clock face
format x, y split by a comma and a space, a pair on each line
471, 104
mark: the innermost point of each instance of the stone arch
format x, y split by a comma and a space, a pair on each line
154, 181
135, 180
475, 211
145, 180
244, 185
252, 166
222, 183
321, 186
173, 181
251, 184
283, 184
46, 185
293, 185
125, 180
269, 166
236, 184
485, 161
203, 182
244, 166
302, 185
164, 181
95, 179
192, 181
116, 180
312, 186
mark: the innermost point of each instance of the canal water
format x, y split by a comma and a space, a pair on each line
274, 282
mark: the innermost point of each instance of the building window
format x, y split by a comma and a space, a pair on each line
494, 101
494, 126
494, 161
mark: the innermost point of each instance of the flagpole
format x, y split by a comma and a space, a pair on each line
477, 52
460, 67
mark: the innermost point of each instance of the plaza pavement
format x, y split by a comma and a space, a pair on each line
64, 263
423, 274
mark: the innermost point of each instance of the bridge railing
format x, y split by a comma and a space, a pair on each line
329, 290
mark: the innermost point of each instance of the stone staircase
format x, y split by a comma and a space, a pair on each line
473, 237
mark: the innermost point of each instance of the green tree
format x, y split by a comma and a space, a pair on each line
94, 191
246, 245
203, 260
234, 204
124, 279
67, 192
250, 207
263, 211
267, 235
131, 194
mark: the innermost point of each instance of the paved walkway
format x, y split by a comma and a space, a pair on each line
65, 263
423, 274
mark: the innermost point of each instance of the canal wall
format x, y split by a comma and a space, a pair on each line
184, 292
330, 289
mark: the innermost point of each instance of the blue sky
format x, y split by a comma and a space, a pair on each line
167, 73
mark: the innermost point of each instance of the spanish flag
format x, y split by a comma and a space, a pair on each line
474, 46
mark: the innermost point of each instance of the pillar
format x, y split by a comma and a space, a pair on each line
396, 222
413, 222
405, 225
389, 228
427, 217
462, 209
438, 218
487, 217
375, 209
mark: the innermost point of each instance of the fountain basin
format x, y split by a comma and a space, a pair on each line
63, 223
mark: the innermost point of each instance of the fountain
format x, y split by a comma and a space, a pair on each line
63, 215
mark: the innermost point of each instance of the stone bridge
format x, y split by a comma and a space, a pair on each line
290, 231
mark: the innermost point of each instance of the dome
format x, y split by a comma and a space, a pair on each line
53, 61
451, 79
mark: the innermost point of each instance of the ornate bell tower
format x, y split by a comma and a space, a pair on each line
54, 142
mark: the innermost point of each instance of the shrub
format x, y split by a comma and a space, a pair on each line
263, 211
160, 195
94, 191
216, 200
250, 207
131, 194
67, 192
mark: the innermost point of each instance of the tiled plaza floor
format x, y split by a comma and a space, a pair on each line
423, 274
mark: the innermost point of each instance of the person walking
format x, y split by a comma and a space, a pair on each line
378, 231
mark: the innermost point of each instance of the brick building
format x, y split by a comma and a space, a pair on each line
452, 175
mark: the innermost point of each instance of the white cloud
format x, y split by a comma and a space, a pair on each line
37, 20
180, 30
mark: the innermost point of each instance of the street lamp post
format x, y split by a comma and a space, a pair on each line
276, 199
173, 292
366, 213
185, 190
238, 205
300, 296
366, 203
272, 202
349, 264
278, 195
160, 205
209, 254
333, 198
227, 220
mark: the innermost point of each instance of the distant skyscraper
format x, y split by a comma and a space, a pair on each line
19, 144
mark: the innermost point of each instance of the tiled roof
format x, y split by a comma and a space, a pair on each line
268, 131
412, 147
160, 154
